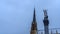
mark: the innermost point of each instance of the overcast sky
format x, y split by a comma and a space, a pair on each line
16, 15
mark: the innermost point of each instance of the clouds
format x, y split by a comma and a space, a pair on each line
13, 16
16, 15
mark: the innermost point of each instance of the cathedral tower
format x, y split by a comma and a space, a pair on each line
34, 25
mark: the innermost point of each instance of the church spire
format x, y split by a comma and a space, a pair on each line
34, 25
34, 17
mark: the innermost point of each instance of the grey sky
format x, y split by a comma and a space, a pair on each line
16, 15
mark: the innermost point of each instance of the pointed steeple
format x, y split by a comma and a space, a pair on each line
34, 17
34, 24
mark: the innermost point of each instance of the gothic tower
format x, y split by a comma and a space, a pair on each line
34, 25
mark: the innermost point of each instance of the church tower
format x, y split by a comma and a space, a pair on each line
34, 25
